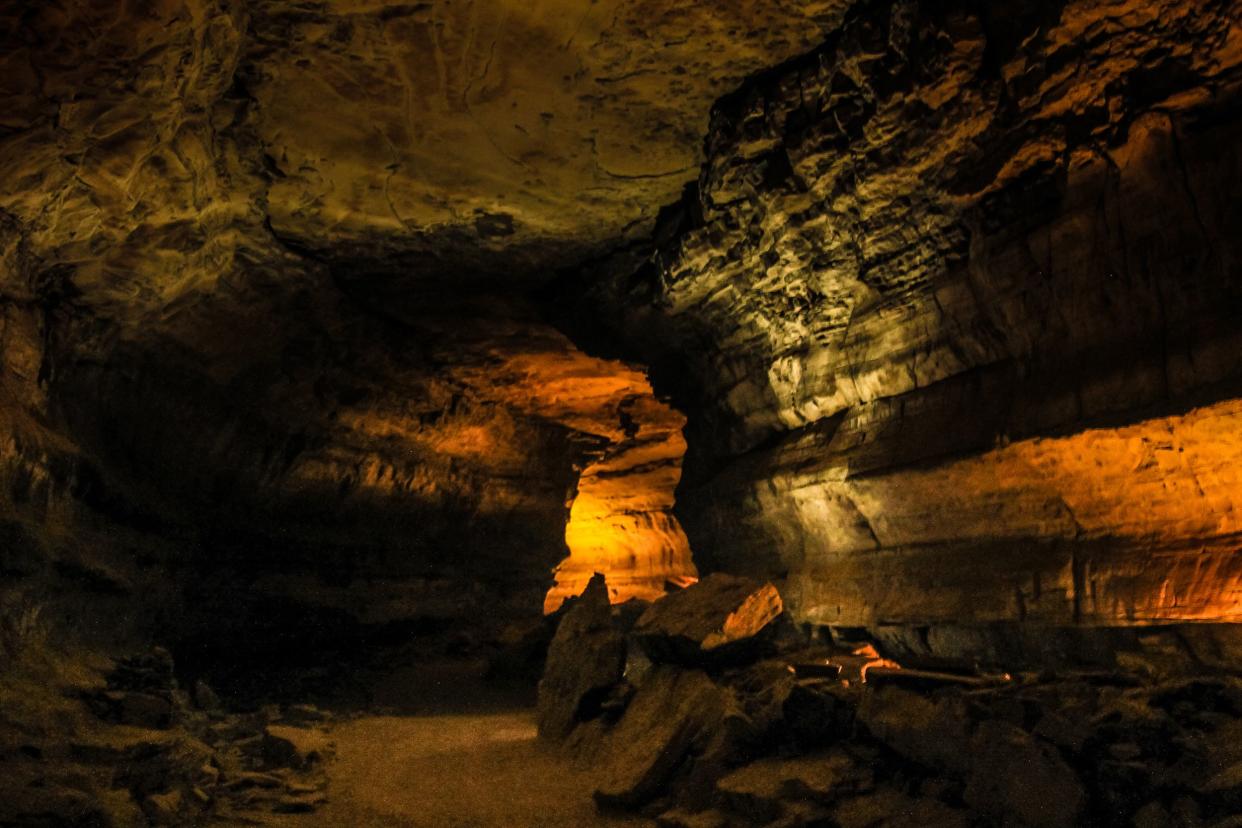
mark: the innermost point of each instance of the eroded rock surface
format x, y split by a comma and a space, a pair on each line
951, 311
716, 619
585, 659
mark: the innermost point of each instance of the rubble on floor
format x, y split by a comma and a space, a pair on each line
804, 733
142, 751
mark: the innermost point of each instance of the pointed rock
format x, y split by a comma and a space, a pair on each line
722, 618
585, 661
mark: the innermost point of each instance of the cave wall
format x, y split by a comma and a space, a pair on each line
952, 305
954, 311
248, 332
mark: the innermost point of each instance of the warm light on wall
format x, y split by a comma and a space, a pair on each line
1134, 523
620, 524
638, 553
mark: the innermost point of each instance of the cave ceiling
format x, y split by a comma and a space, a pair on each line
496, 138
264, 262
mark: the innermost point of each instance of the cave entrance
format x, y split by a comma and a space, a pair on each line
621, 521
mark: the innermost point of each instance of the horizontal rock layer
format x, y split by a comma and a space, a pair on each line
953, 309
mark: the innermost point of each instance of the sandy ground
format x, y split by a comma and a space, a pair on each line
457, 754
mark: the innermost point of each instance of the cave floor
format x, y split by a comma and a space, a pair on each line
452, 770
455, 752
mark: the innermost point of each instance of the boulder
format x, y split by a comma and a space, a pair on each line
762, 790
674, 710
586, 659
1016, 776
935, 732
294, 747
721, 619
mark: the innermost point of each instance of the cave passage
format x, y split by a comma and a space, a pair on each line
535, 413
621, 522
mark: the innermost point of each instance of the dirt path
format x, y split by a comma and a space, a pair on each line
453, 771
457, 756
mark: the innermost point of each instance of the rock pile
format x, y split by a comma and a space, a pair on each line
802, 733
146, 752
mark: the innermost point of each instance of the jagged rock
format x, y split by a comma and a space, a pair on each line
761, 791
180, 763
585, 661
720, 619
165, 808
672, 711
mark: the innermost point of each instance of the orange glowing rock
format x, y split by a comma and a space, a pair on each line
720, 618
873, 659
631, 444
758, 610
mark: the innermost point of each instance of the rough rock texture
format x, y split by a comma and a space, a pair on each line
259, 274
585, 659
714, 619
1150, 742
482, 135
444, 133
953, 311
67, 763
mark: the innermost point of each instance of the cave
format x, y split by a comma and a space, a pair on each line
539, 414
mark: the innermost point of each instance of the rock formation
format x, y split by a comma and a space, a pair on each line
951, 310
338, 336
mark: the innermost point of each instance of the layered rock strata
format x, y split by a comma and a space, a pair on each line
952, 309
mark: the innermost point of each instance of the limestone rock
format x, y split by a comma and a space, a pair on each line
718, 619
586, 659
913, 315
937, 733
673, 710
165, 808
761, 790
1017, 776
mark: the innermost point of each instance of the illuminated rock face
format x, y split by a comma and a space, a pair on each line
954, 310
621, 522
